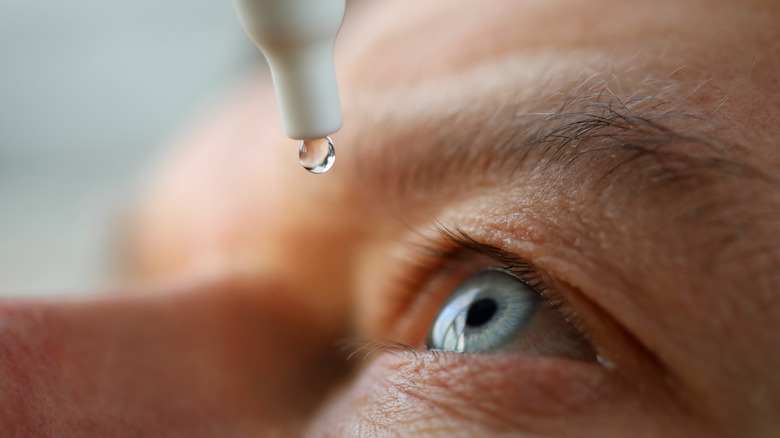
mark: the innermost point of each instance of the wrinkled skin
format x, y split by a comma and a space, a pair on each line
669, 261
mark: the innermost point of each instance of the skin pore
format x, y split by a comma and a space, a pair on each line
624, 155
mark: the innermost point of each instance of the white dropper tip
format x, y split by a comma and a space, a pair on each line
297, 38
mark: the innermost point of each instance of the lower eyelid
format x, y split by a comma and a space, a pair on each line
512, 389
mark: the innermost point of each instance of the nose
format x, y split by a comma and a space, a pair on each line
222, 357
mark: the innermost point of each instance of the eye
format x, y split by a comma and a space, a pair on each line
495, 312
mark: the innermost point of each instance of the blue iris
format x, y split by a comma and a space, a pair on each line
484, 313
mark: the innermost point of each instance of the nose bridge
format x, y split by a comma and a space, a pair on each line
222, 353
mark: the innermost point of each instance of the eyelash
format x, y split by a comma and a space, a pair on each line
441, 254
438, 254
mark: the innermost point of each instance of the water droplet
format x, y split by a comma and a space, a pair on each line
317, 156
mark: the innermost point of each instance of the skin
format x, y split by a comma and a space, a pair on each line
251, 270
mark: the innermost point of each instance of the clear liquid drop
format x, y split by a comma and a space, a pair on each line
317, 156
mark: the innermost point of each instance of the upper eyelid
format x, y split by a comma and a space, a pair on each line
510, 262
621, 154
447, 246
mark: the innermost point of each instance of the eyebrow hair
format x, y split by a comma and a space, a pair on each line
479, 142
643, 147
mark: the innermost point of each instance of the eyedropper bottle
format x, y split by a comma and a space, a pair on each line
297, 38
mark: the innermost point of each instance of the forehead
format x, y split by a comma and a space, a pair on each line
722, 57
438, 36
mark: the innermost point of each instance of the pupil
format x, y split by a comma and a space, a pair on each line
480, 312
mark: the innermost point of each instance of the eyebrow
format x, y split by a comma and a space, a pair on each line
642, 147
484, 145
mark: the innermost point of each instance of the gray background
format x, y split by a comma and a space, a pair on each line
89, 90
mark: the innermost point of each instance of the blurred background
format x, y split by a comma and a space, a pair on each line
89, 91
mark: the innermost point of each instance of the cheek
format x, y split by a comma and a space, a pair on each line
233, 191
233, 196
212, 195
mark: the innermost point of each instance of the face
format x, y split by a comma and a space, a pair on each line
545, 219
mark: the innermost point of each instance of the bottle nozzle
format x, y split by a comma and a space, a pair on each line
297, 39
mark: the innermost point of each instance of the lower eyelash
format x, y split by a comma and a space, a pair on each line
363, 349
